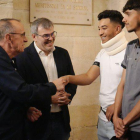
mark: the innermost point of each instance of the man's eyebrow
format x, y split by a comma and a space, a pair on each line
102, 26
126, 12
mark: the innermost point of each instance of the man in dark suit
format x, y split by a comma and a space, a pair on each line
43, 62
14, 92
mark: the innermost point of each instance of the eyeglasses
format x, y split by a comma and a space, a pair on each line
22, 34
47, 36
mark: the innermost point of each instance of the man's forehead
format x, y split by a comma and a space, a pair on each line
130, 11
42, 29
104, 22
14, 22
17, 25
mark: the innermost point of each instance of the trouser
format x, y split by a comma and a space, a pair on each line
133, 135
106, 130
57, 130
114, 138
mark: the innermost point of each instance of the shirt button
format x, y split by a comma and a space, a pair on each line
137, 52
135, 58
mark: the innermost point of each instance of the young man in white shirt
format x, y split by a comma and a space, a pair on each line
108, 65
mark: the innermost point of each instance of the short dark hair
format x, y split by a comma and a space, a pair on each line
113, 15
132, 4
44, 22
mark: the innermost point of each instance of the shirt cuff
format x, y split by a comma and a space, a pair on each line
123, 66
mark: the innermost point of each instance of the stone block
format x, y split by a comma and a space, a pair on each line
6, 11
99, 5
22, 15
98, 45
21, 4
84, 47
27, 29
66, 43
81, 65
71, 135
29, 41
74, 30
6, 1
86, 133
84, 116
95, 25
87, 95
116, 5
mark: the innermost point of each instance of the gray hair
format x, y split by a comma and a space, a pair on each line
44, 22
6, 27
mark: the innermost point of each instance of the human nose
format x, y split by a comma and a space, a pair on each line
100, 32
124, 20
25, 39
50, 37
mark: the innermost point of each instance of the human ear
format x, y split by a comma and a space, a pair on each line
8, 38
118, 29
34, 37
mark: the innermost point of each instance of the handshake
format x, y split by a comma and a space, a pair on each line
60, 98
61, 82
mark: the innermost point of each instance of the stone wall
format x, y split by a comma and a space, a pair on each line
83, 44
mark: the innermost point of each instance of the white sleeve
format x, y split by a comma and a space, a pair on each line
98, 59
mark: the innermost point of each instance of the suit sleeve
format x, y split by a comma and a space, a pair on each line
70, 88
13, 86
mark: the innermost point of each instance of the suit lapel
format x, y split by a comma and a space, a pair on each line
33, 55
58, 62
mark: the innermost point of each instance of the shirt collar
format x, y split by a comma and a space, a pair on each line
137, 45
39, 51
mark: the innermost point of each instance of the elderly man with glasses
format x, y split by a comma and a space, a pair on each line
43, 62
15, 93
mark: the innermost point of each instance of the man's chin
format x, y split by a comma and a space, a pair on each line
50, 48
104, 42
130, 30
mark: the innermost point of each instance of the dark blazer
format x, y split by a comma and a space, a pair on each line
31, 69
14, 93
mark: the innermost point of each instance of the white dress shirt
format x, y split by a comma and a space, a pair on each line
50, 69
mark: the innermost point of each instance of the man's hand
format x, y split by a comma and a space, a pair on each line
61, 98
64, 99
66, 79
33, 114
60, 84
119, 127
110, 112
55, 98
